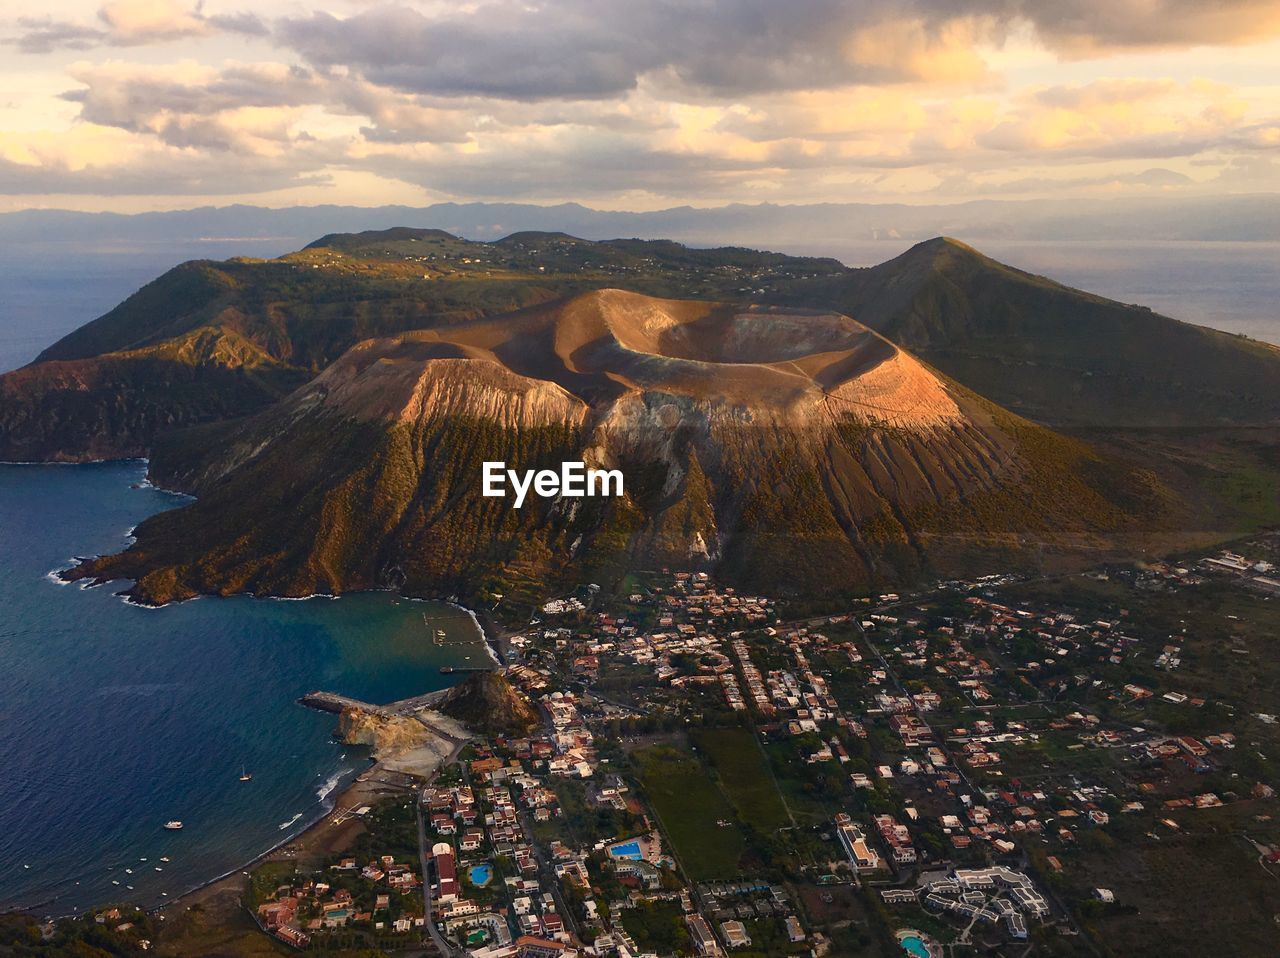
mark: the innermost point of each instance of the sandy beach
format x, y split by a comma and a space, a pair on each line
408, 751
326, 836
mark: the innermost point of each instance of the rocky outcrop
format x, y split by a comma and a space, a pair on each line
384, 734
416, 743
487, 702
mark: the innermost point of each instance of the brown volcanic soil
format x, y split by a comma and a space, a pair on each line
600, 346
792, 450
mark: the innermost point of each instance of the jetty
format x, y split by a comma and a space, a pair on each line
337, 704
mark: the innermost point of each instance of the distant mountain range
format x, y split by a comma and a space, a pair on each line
331, 409
800, 227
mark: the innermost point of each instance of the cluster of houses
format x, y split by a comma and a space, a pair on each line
1261, 574
498, 891
300, 909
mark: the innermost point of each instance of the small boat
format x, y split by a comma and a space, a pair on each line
245, 776
440, 633
173, 826
165, 859
128, 871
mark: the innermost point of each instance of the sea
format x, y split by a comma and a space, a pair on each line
118, 718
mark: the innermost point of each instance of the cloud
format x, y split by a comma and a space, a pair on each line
44, 35
131, 23
582, 49
1092, 27
674, 100
1119, 118
98, 162
248, 107
800, 145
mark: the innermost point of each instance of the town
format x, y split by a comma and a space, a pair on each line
979, 764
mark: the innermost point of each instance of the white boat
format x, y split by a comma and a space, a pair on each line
173, 826
245, 776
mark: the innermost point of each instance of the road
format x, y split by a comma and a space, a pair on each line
444, 947
547, 873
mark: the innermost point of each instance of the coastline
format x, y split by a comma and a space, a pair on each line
326, 831
332, 821
494, 636
396, 773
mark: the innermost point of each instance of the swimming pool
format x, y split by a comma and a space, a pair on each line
914, 946
627, 850
480, 874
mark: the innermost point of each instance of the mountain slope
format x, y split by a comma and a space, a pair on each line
304, 310
1051, 353
112, 406
791, 450
1054, 353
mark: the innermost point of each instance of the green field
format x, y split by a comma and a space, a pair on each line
690, 807
1227, 908
744, 777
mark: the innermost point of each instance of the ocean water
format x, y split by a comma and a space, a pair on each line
118, 718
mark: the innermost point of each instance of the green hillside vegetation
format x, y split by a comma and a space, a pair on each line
1054, 353
113, 406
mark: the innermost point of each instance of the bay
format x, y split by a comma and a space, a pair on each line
118, 718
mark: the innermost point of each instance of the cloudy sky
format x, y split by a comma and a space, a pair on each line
636, 104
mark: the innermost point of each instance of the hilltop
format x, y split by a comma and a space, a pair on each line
1055, 353
487, 702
